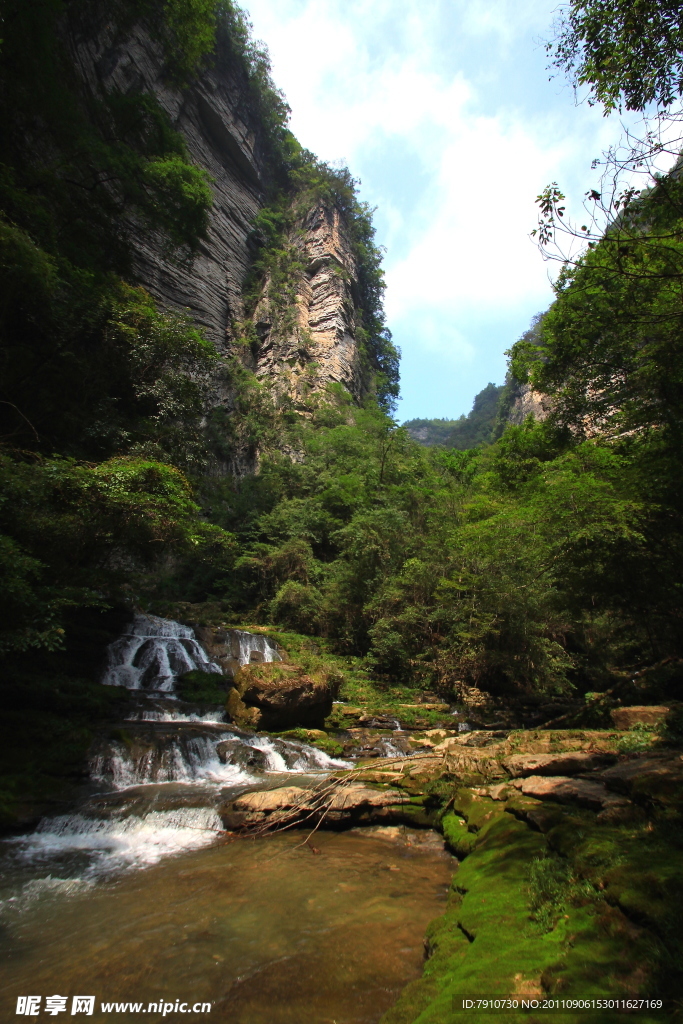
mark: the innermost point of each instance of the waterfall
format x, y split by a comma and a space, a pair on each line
210, 717
159, 779
253, 647
153, 653
218, 757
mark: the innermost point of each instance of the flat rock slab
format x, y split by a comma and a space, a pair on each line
563, 790
292, 802
651, 775
564, 763
270, 800
626, 718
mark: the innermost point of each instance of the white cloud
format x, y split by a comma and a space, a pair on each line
367, 79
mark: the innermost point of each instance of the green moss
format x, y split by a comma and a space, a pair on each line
198, 687
533, 915
460, 840
314, 738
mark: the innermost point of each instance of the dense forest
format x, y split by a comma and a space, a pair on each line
477, 427
546, 561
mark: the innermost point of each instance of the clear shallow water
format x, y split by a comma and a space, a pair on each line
269, 934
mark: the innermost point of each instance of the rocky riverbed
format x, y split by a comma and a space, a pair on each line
558, 849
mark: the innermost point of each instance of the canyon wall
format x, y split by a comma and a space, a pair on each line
315, 342
222, 135
527, 401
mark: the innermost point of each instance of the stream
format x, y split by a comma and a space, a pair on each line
135, 896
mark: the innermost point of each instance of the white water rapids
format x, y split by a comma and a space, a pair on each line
158, 782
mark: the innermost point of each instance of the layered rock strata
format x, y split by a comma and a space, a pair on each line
312, 342
223, 136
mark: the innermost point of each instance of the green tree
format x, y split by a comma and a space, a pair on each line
629, 52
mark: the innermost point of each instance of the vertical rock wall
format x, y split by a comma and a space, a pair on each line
222, 136
313, 344
528, 401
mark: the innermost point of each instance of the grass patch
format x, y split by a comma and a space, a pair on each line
639, 737
199, 687
552, 888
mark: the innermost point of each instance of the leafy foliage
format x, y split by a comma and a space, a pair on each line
515, 566
548, 559
630, 54
77, 535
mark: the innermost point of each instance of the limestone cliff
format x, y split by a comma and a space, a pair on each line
312, 342
525, 402
223, 136
302, 347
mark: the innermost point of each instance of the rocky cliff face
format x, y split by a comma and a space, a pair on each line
312, 343
222, 136
528, 401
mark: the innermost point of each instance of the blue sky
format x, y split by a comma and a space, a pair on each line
445, 112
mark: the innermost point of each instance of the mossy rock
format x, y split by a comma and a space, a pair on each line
459, 839
286, 696
315, 738
199, 687
239, 713
491, 943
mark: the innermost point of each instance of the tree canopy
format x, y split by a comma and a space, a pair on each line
628, 52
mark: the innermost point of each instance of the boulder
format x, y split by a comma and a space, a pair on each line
649, 778
626, 718
239, 753
563, 790
283, 696
238, 712
565, 763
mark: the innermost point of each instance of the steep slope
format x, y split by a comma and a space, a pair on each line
467, 431
223, 135
311, 342
305, 342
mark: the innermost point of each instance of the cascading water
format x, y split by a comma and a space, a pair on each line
158, 781
105, 846
253, 647
227, 919
154, 802
153, 654
219, 757
210, 718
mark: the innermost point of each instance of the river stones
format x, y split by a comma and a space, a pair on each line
654, 778
565, 763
